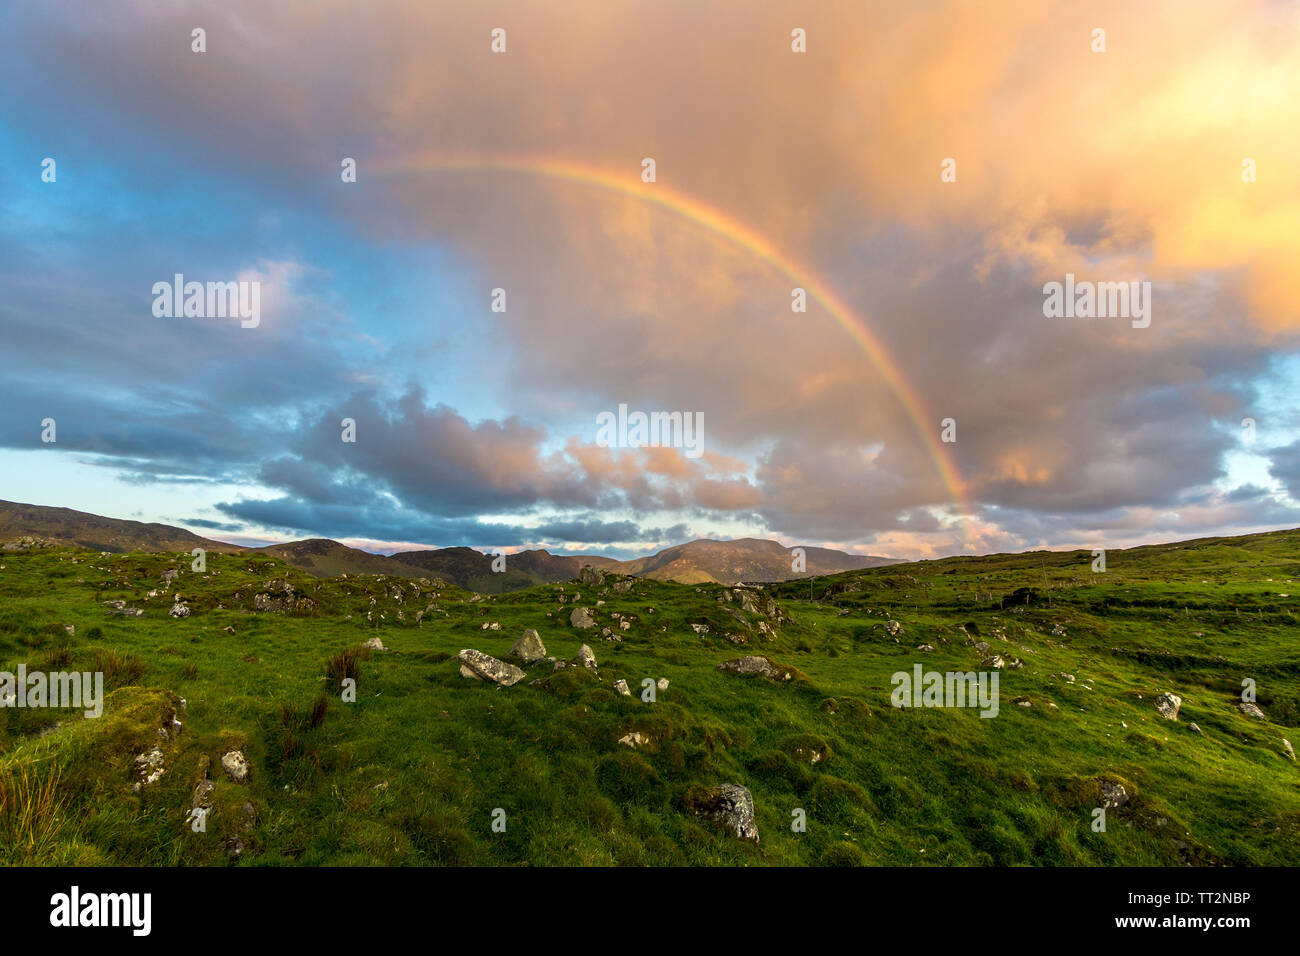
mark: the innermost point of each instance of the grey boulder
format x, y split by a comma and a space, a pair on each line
529, 648
482, 666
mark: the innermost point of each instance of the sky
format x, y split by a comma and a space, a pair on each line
920, 171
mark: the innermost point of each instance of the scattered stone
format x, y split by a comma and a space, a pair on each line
1288, 749
662, 683
591, 576
635, 740
375, 644
586, 658
1195, 728
995, 661
235, 765
150, 765
620, 685
732, 807
893, 628
486, 667
119, 609
925, 647
1113, 795
529, 648
1251, 710
1058, 630
1168, 705
202, 797
982, 647
757, 666
700, 628
581, 618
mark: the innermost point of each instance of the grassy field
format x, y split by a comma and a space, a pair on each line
415, 771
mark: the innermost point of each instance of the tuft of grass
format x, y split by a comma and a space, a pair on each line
32, 809
120, 668
56, 659
346, 664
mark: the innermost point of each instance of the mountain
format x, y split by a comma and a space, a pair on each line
745, 559
77, 528
325, 558
696, 562
471, 570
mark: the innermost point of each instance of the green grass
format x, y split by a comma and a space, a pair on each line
413, 771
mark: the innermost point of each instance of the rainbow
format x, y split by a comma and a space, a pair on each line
735, 231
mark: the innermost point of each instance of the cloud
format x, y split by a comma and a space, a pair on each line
1115, 166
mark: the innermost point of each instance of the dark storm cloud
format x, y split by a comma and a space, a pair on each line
1064, 426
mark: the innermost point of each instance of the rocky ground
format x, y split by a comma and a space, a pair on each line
256, 714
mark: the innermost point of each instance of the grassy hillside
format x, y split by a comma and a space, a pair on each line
412, 772
80, 529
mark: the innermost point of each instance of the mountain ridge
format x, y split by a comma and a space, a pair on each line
703, 560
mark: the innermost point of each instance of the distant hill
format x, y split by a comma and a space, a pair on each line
472, 569
696, 562
79, 529
745, 559
328, 559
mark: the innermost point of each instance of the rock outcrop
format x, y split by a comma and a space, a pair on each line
757, 666
482, 666
1168, 705
529, 648
730, 806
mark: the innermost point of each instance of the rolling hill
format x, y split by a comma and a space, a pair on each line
82, 530
745, 559
695, 562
